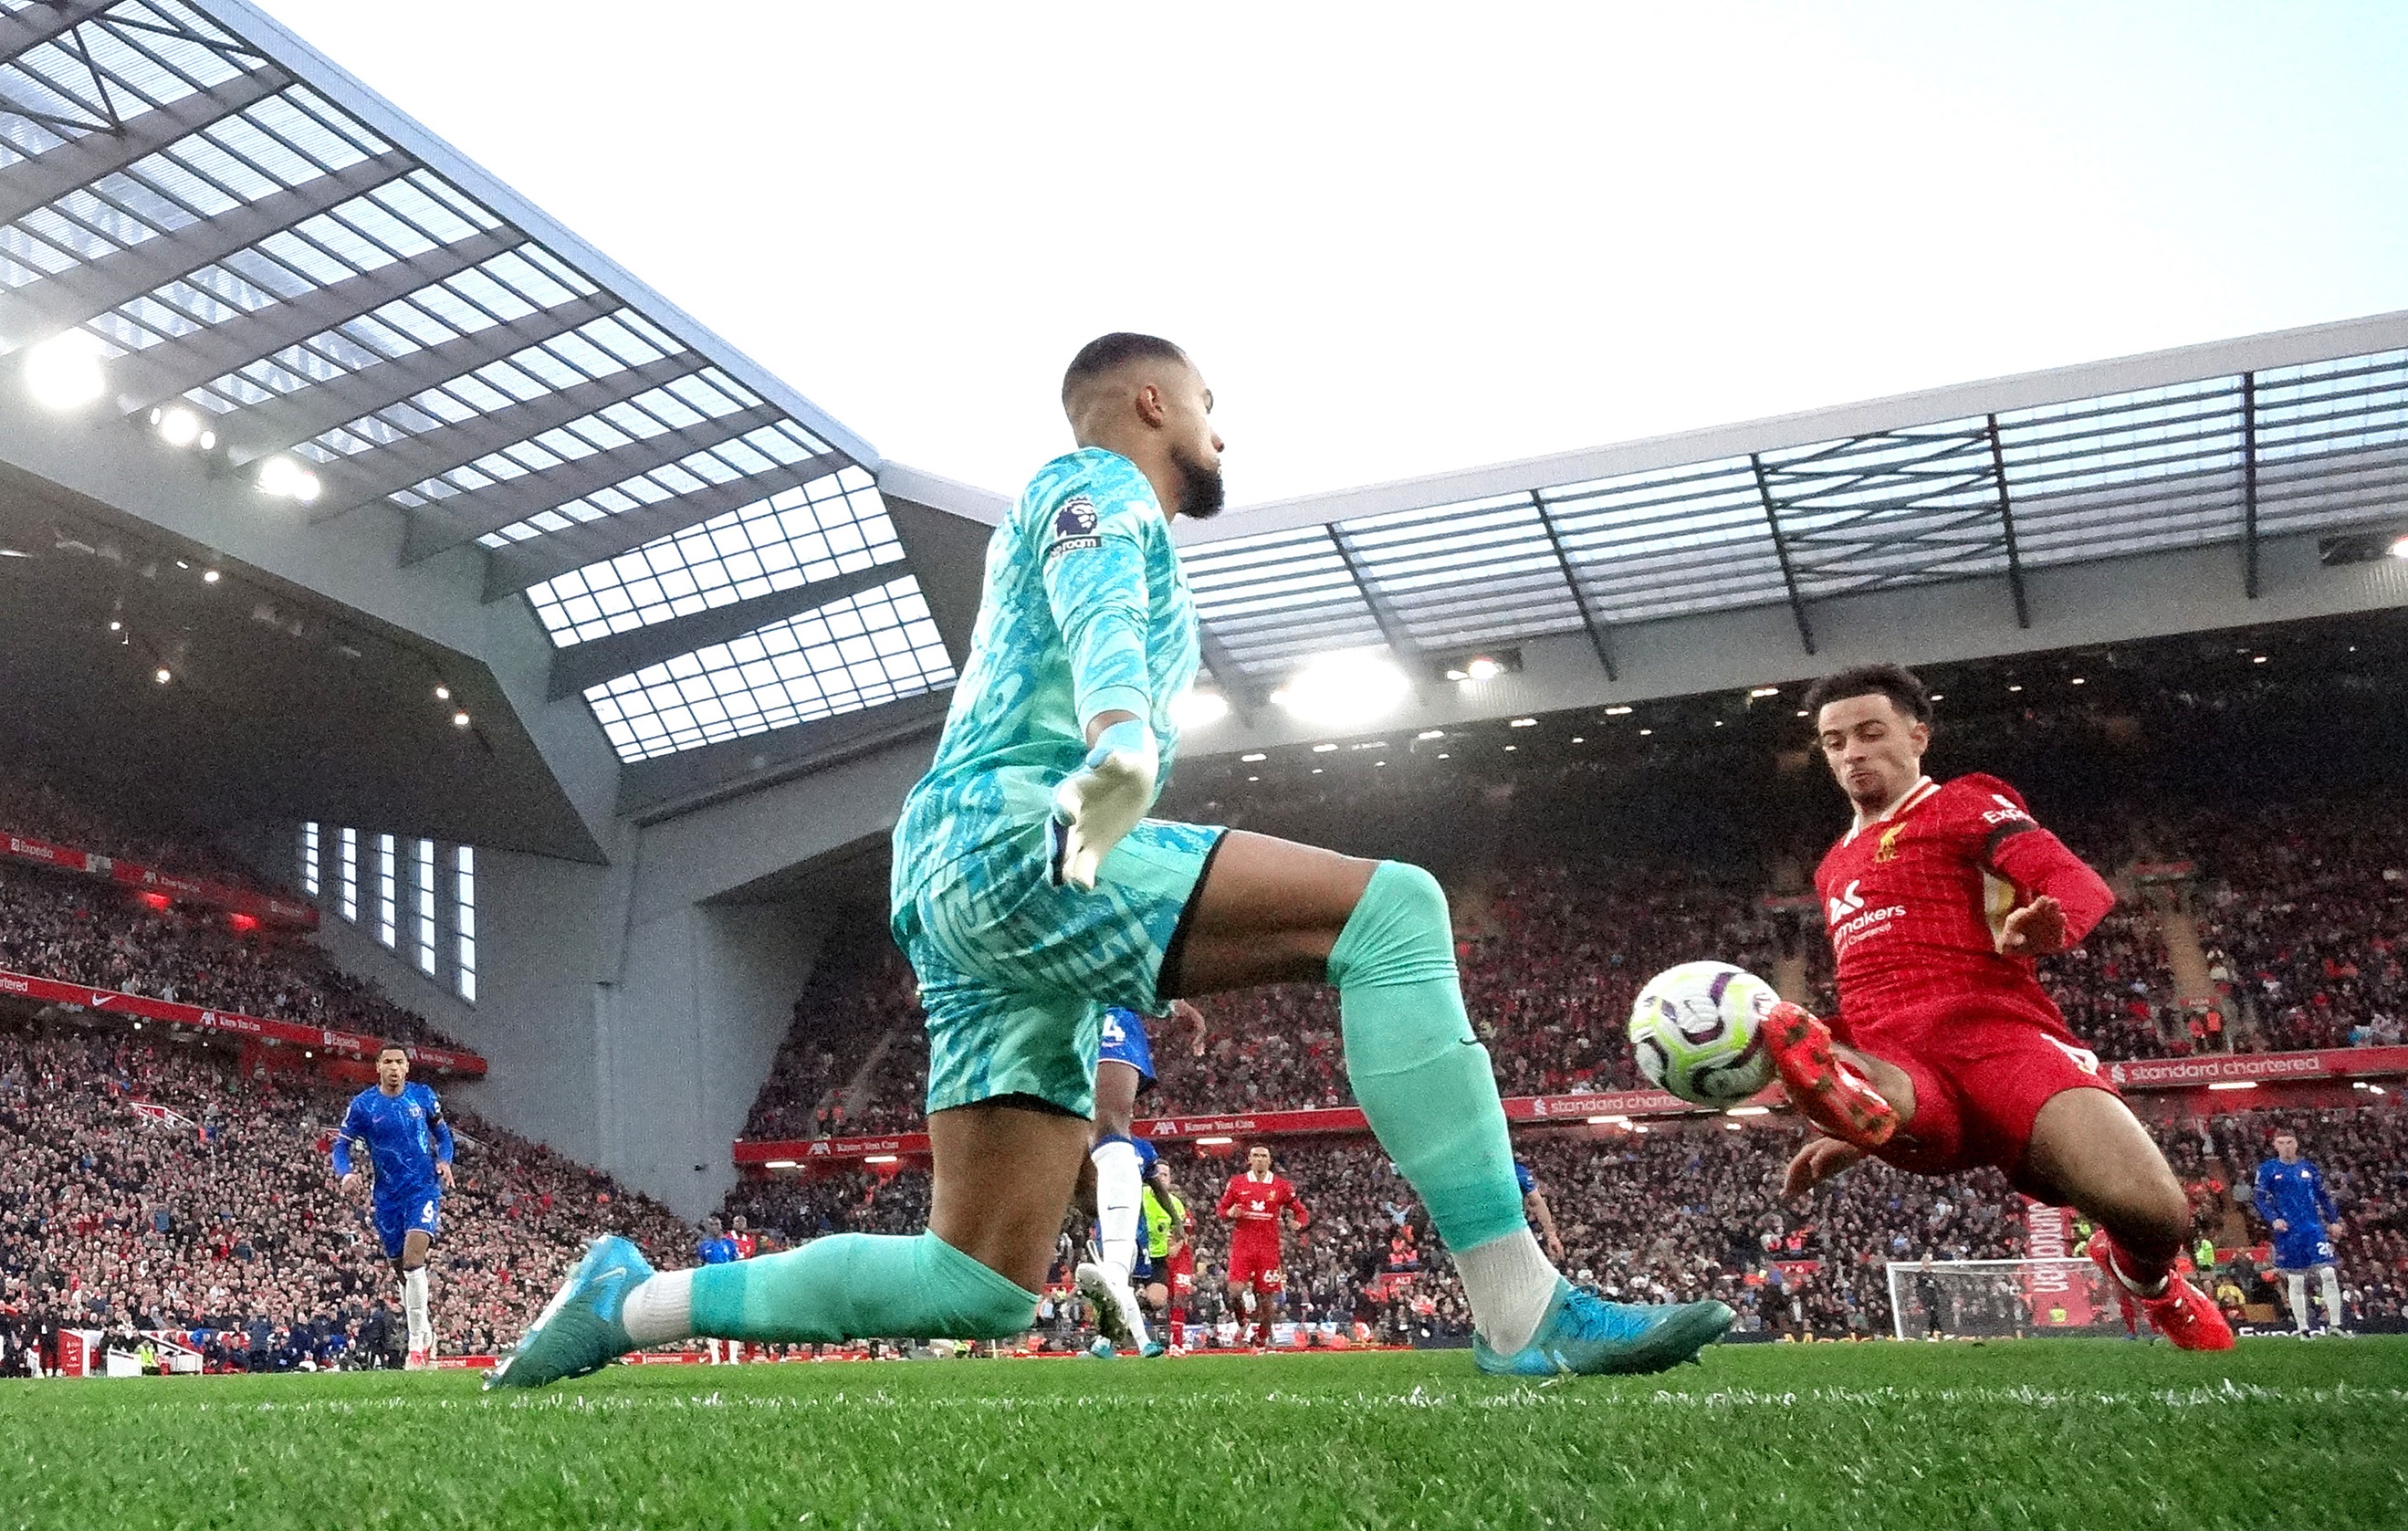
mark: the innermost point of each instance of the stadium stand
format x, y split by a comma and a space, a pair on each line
224, 1218
1688, 1211
92, 818
54, 925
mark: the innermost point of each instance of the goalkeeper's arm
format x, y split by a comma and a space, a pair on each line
1095, 582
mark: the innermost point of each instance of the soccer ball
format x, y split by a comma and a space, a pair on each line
1695, 1030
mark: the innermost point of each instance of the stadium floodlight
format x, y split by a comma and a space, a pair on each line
162, 675
286, 478
1353, 686
1619, 711
879, 1158
1524, 722
1256, 755
1428, 734
1759, 692
63, 372
780, 1164
460, 720
180, 427
1322, 748
2400, 548
1194, 709
2235, 1084
210, 576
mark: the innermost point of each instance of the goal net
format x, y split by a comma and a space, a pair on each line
1981, 1299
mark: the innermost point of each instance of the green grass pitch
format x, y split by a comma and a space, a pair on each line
2040, 1432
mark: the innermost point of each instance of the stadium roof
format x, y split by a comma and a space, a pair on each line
2297, 432
242, 230
352, 313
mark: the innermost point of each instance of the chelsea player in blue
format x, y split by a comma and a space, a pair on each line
1123, 1070
2290, 1195
409, 1145
1030, 890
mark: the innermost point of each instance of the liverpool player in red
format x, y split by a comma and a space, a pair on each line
1252, 1204
1938, 898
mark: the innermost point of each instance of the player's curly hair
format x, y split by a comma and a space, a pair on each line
1108, 353
1902, 686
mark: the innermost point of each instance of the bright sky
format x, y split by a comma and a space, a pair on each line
1400, 240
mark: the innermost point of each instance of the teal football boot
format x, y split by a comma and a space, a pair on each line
578, 1332
1584, 1335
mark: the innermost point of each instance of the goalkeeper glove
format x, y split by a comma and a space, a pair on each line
1102, 800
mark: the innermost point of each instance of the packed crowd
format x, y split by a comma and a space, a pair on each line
2306, 918
861, 992
91, 819
223, 1216
1692, 1211
57, 925
1552, 959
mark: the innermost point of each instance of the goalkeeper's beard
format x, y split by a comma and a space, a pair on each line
1201, 493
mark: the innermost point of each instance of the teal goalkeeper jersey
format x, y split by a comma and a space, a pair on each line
1084, 611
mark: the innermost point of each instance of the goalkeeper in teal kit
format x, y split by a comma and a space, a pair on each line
1030, 891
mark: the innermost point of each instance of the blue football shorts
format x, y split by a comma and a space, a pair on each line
398, 1215
1124, 1041
2303, 1249
1015, 972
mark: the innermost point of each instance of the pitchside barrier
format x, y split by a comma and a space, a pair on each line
2230, 1075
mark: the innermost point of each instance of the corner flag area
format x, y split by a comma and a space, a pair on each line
2030, 1432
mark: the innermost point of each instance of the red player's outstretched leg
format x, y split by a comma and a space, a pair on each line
2180, 1311
1821, 1084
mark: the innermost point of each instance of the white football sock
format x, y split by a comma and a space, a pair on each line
1509, 1282
2298, 1285
660, 1308
413, 1305
2331, 1296
1118, 1186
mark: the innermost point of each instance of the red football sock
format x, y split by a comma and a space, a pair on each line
1178, 1325
2147, 1278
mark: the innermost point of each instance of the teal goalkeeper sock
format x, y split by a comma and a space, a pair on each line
1420, 1075
859, 1286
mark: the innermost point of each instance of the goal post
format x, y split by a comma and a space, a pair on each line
1987, 1299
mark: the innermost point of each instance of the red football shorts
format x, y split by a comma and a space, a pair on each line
1255, 1262
1177, 1272
1982, 1068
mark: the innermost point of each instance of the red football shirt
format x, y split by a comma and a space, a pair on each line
1912, 902
1254, 1205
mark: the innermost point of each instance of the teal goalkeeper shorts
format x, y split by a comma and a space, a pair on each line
1015, 972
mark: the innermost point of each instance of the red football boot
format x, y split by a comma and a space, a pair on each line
1824, 1089
2187, 1317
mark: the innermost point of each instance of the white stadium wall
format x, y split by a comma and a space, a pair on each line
627, 1027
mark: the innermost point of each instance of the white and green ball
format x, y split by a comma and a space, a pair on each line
1698, 1030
